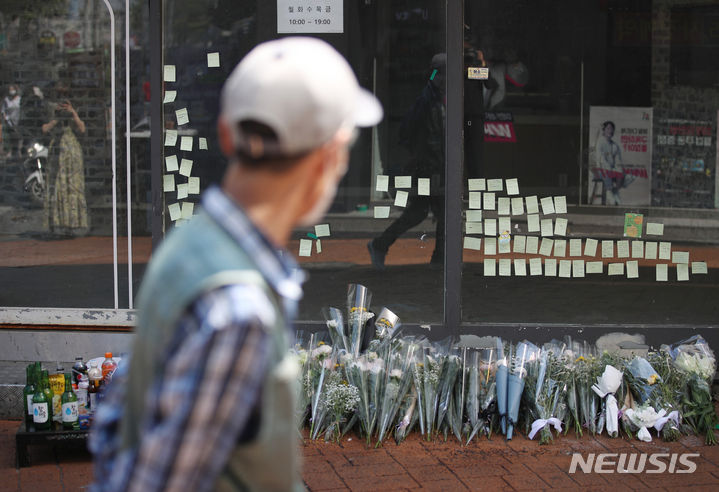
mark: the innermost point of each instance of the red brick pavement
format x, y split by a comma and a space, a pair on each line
417, 465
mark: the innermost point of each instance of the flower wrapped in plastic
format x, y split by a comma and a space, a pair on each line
367, 373
545, 391
339, 401
668, 395
358, 314
388, 325
322, 364
696, 361
525, 355
481, 400
606, 388
398, 382
426, 372
455, 411
451, 367
336, 328
645, 416
642, 379
585, 370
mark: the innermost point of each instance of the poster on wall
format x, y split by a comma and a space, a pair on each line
620, 155
685, 162
303, 17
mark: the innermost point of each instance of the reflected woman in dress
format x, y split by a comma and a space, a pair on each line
65, 204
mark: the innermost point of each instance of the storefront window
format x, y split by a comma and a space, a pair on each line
61, 198
599, 135
393, 195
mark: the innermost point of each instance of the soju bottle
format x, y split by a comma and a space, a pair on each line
41, 416
27, 392
48, 391
69, 405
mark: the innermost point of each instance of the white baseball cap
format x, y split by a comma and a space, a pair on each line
302, 89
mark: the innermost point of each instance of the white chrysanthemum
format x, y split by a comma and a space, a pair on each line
321, 351
396, 373
696, 364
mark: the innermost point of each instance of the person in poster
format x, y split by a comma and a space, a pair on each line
610, 159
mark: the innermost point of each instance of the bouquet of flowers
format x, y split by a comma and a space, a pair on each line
668, 394
525, 355
481, 392
586, 368
451, 367
336, 329
387, 325
455, 411
398, 381
322, 364
367, 373
339, 401
358, 314
545, 392
695, 360
426, 372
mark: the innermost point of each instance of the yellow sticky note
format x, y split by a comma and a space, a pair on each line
622, 249
560, 226
532, 204
594, 267
213, 60
474, 243
490, 246
476, 184
403, 181
512, 186
503, 206
520, 267
182, 191
305, 247
590, 247
322, 230
662, 272
545, 249
168, 183
186, 167
607, 249
616, 269
474, 216
533, 223
382, 183
547, 229
488, 200
474, 228
637, 249
187, 209
475, 200
175, 211
169, 73
699, 268
186, 144
318, 244
550, 267
565, 268
490, 267
494, 185
547, 205
517, 206
680, 257
575, 247
560, 248
423, 186
665, 250
650, 250
682, 272
381, 212
520, 244
171, 163
490, 227
182, 117
655, 229
504, 224
632, 269
170, 138
560, 204
400, 199
535, 266
202, 143
193, 186
505, 267
532, 245
578, 268
170, 96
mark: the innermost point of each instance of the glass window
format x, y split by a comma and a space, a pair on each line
392, 199
61, 199
598, 122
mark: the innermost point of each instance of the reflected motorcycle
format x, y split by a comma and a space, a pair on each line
35, 169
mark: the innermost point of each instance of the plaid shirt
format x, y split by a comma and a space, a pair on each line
204, 403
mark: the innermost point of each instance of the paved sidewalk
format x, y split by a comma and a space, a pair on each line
418, 465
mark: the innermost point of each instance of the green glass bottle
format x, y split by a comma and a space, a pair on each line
27, 392
41, 407
69, 405
48, 391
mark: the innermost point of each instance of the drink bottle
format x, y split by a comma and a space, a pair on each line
94, 375
27, 392
83, 402
70, 411
78, 368
108, 367
41, 415
48, 392
57, 384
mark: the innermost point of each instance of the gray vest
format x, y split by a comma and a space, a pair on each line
195, 259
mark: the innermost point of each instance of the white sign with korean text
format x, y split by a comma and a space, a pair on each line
310, 16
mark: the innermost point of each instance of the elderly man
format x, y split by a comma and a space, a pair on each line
208, 398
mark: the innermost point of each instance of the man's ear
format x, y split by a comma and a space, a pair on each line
224, 134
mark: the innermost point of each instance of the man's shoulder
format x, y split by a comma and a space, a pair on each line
236, 304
